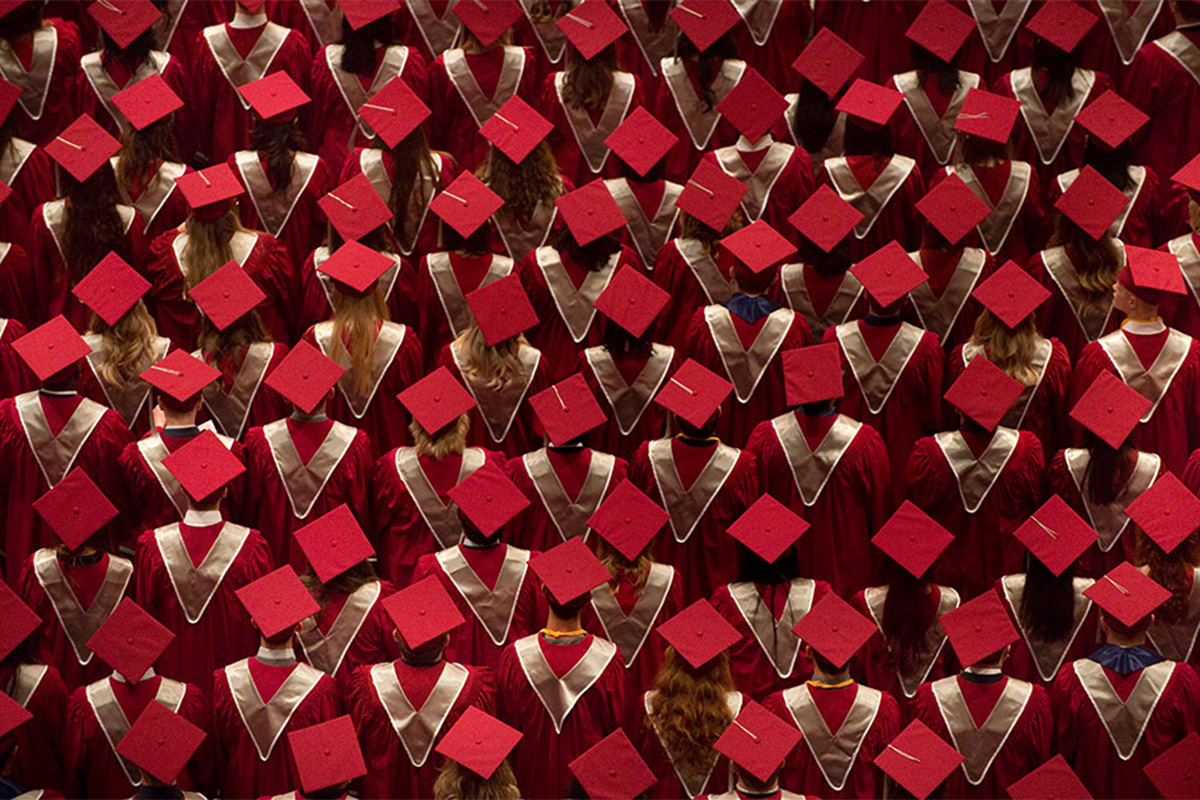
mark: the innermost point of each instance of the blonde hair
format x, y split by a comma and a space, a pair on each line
1010, 349
129, 347
450, 440
216, 344
457, 783
689, 710
1097, 261
692, 228
355, 320
208, 246
620, 567
490, 366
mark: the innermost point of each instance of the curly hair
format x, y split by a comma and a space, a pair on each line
489, 366
92, 227
689, 710
129, 346
355, 329
1010, 349
456, 783
1173, 571
142, 151
621, 568
208, 245
1097, 262
588, 82
524, 186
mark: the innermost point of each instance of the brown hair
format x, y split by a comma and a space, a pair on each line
907, 615
345, 583
411, 159
92, 226
458, 783
450, 440
1097, 263
621, 568
692, 228
129, 347
142, 151
689, 710
208, 245
1010, 349
277, 144
1173, 571
490, 366
217, 346
588, 82
355, 320
525, 186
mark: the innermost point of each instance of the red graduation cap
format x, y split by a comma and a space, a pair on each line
83, 148
699, 633
1111, 119
612, 768
180, 375
1011, 294
828, 62
124, 20
305, 376
51, 347
912, 539
5, 192
355, 208
632, 300
870, 103
1153, 275
274, 95
364, 12
641, 140
333, 543
952, 207
488, 20
160, 742
436, 400
1056, 535
1062, 24
488, 498
825, 218
988, 115
753, 106
277, 601
768, 528
356, 267
984, 392
394, 111
704, 21
75, 508
422, 612
17, 621
12, 715
516, 128
711, 195
502, 309
628, 520
1127, 593
979, 628
941, 29
227, 295
1054, 779
889, 274
1110, 408
567, 410
758, 741
327, 754
203, 466
479, 742
812, 374
590, 212
591, 26
111, 288
1168, 512
130, 640
918, 759
758, 246
569, 571
1173, 772
147, 101
694, 393
1188, 174
466, 204
1092, 202
209, 187
834, 629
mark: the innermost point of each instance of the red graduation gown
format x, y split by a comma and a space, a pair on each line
15, 376
1081, 737
93, 768
40, 115
652, 37
221, 633
319, 20
1027, 745
845, 496
338, 471
1017, 226
766, 38
1185, 316
243, 773
96, 85
944, 303
1026, 664
264, 259
897, 218
1161, 86
29, 172
440, 303
266, 404
625, 96
391, 771
802, 772
1154, 214
779, 190
40, 689
984, 547
597, 712
694, 278
633, 415
670, 786
922, 127
325, 647
301, 228
679, 105
316, 290
875, 30
1059, 317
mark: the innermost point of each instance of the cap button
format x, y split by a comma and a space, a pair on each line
700, 633
50, 346
833, 628
333, 542
641, 140
953, 209
75, 510
1111, 409
203, 465
1166, 512
162, 742
811, 373
1092, 202
278, 601
112, 288
328, 751
503, 310
478, 742
887, 273
437, 398
304, 376
978, 627
129, 640
629, 520
1012, 293
983, 392
488, 498
421, 612
828, 62
570, 570
226, 295
912, 537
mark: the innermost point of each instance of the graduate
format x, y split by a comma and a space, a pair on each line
768, 599
978, 480
1167, 552
530, 185
612, 767
187, 573
327, 759
400, 707
304, 465
830, 468
653, 34
844, 724
40, 57
811, 120
755, 771
694, 269
475, 763
817, 283
487, 578
26, 169
432, 27
763, 38
565, 481
1002, 726
1184, 247
1161, 363
46, 433
1158, 697
141, 747
255, 700
563, 687
703, 483
99, 715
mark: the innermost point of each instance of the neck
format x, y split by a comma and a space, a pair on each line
1122, 641
559, 624
479, 543
276, 652
244, 19
175, 419
820, 676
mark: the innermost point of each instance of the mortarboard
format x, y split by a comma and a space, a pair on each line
364, 12
979, 628
941, 29
918, 759
1110, 408
466, 204
912, 539
632, 300
590, 212
753, 106
870, 103
693, 393
488, 21
1173, 771
516, 129
1111, 119
227, 295
613, 769
1153, 275
83, 148
988, 115
394, 111
825, 218
147, 101
569, 571
984, 392
273, 96
333, 543
704, 21
828, 62
305, 376
422, 612
812, 374
111, 288
356, 267
1127, 593
1062, 24
591, 26
1092, 202
327, 754
1011, 294
1056, 535
834, 629
17, 621
213, 187
203, 466
436, 400
952, 207
711, 195
1188, 175
641, 140
488, 498
479, 742
768, 528
277, 601
12, 715
757, 741
75, 508
699, 633
124, 20
628, 520
1054, 779
160, 742
1168, 512
51, 347
567, 410
889, 274
502, 309
355, 208
130, 640
758, 246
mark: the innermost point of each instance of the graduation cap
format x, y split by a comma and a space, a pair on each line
394, 111
130, 640
979, 628
825, 218
1011, 294
160, 742
1092, 202
147, 101
488, 21
952, 207
1168, 512
1110, 408
632, 300
305, 376
208, 192
569, 571
51, 347
516, 128
828, 62
83, 148
436, 400
1062, 24
889, 274
699, 633
987, 115
17, 621
941, 29
1188, 174
1127, 593
273, 96
567, 410
422, 612
870, 104
327, 754
227, 295
704, 21
488, 498
693, 393
333, 543
612, 767
203, 466
758, 246
757, 741
590, 212
1054, 779
111, 288
1111, 119
628, 520
479, 742
355, 208
753, 106
984, 392
124, 20
75, 508
1056, 535
356, 268
502, 309
363, 12
812, 374
277, 601
591, 26
641, 140
711, 195
912, 539
466, 204
834, 629
768, 528
1173, 771
918, 759
1152, 275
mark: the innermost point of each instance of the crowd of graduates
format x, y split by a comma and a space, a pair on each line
599, 399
